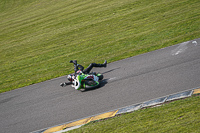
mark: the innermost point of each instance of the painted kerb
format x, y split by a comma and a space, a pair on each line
78, 123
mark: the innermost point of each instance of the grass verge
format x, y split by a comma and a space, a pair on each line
174, 117
39, 37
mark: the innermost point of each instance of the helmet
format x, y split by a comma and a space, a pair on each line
70, 77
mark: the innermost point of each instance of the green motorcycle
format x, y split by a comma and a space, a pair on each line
83, 79
86, 81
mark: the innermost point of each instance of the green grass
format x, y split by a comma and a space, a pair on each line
39, 37
182, 116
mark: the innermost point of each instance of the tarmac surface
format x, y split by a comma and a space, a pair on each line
126, 82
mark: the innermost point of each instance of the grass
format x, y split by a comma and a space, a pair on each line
39, 37
182, 116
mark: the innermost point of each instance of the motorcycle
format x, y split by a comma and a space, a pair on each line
83, 81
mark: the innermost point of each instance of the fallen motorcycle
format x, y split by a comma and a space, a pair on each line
83, 78
84, 81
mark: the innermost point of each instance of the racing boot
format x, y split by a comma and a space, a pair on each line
89, 68
105, 63
101, 65
73, 61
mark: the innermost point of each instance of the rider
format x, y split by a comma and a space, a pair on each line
80, 69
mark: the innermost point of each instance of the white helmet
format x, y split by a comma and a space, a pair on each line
70, 77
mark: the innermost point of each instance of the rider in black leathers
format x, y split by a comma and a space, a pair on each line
78, 67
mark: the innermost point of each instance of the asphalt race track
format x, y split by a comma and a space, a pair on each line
126, 82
